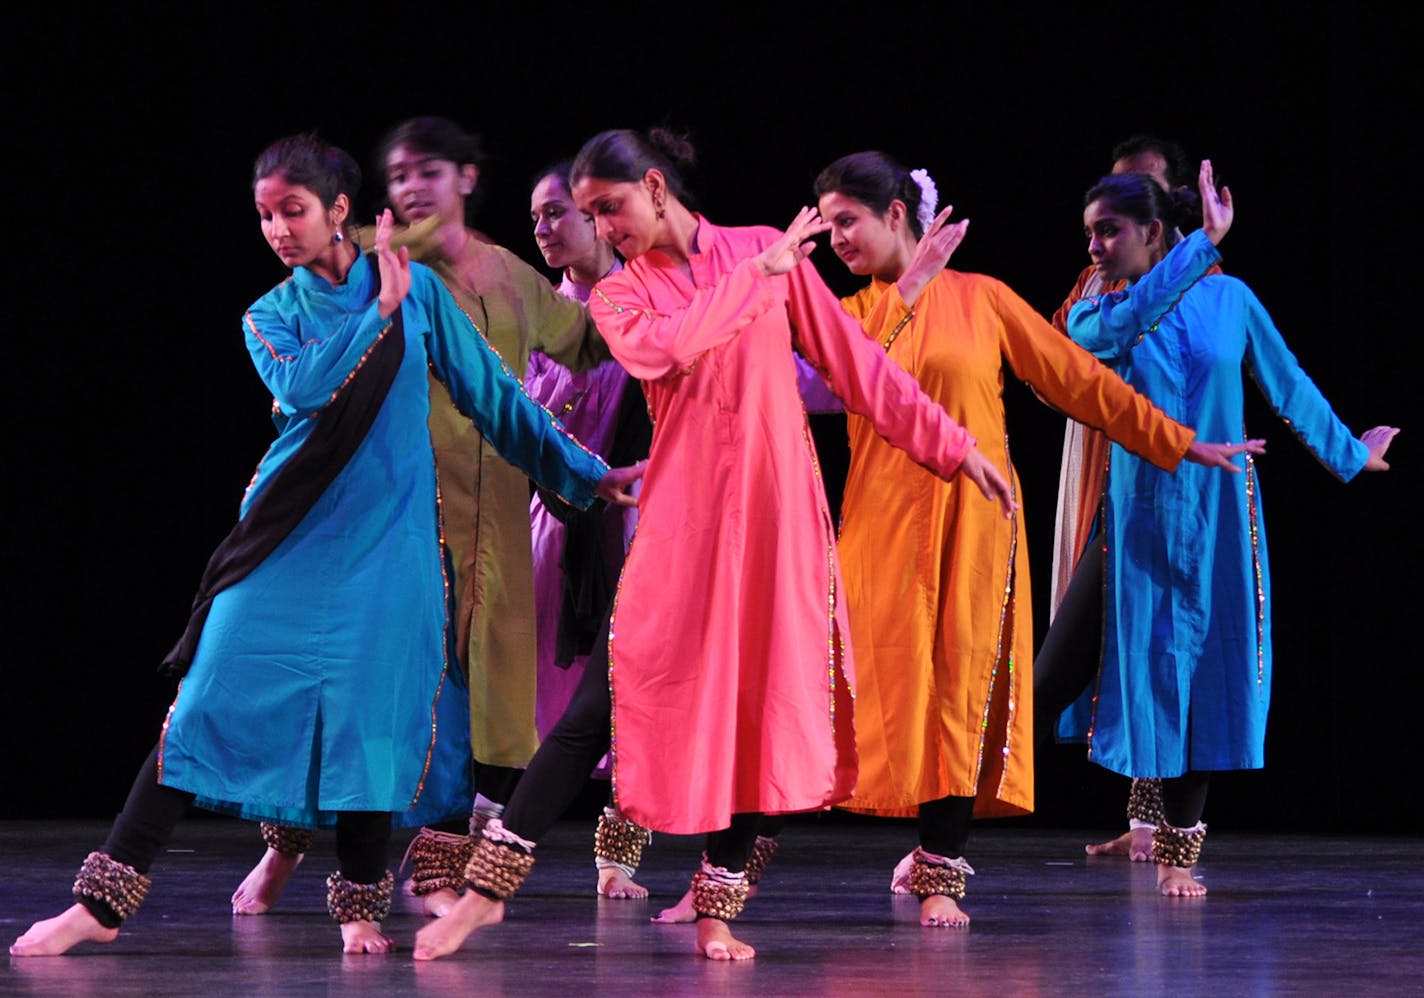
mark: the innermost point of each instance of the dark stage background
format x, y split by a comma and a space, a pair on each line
136, 419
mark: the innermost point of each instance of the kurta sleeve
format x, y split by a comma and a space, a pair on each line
1067, 377
303, 374
1294, 396
524, 433
1108, 326
868, 382
559, 327
651, 344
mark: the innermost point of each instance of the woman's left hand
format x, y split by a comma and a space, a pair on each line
613, 487
1378, 441
991, 481
394, 267
1220, 455
932, 255
794, 245
1218, 209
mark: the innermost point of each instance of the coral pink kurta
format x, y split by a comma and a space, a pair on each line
728, 666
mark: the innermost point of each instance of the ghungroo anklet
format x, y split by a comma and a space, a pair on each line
1173, 846
351, 902
718, 892
287, 841
500, 862
619, 842
438, 860
931, 874
1144, 802
760, 858
117, 885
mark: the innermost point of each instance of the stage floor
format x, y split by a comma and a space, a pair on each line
1286, 915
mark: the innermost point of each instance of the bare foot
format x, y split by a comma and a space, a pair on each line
1178, 882
58, 935
364, 937
1136, 845
614, 883
938, 910
473, 911
715, 941
680, 912
260, 889
439, 903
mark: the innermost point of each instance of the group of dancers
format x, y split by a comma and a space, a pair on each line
372, 645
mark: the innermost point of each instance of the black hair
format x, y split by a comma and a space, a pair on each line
624, 155
308, 161
560, 171
438, 137
874, 179
1142, 199
1179, 168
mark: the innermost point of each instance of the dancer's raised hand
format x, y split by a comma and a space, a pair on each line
1218, 210
394, 266
932, 252
794, 245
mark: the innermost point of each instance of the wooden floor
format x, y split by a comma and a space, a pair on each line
1285, 916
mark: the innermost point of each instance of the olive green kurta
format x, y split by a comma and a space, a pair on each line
485, 501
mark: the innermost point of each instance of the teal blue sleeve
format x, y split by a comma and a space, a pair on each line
525, 433
303, 375
1294, 396
1109, 325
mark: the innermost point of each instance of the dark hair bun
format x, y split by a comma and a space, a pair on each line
676, 146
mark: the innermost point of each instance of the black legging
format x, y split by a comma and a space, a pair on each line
1184, 798
944, 825
1073, 648
1067, 663
560, 768
152, 811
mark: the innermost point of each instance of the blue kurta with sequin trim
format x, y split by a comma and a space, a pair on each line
321, 682
1185, 681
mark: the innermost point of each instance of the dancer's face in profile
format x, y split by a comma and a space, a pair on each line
298, 227
1121, 248
623, 212
419, 185
565, 235
865, 241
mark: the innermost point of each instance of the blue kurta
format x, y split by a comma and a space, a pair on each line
1185, 681
321, 680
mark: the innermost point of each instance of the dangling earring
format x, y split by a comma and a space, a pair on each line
337, 238
658, 207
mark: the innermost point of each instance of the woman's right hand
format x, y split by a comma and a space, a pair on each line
1218, 210
394, 266
991, 481
932, 254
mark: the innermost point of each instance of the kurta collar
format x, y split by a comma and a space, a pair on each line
706, 235
355, 291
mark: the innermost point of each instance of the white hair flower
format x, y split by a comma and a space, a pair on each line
929, 198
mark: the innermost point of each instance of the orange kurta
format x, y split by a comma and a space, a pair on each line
944, 701
726, 659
